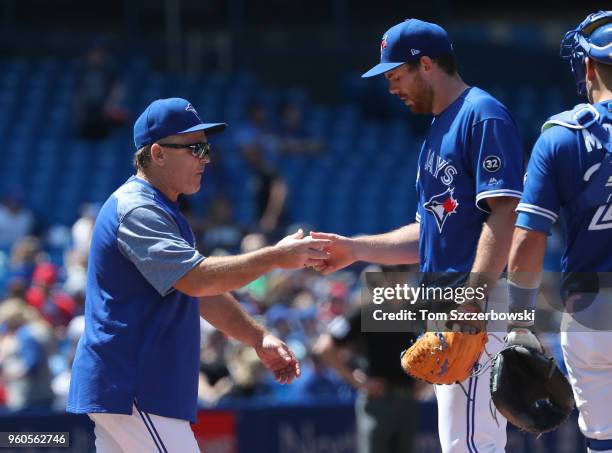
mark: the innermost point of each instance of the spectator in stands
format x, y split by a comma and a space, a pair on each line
75, 260
220, 230
293, 139
53, 304
16, 220
318, 382
24, 345
16, 287
385, 406
215, 380
257, 131
270, 192
247, 375
99, 95
83, 227
24, 256
280, 319
306, 313
67, 348
335, 302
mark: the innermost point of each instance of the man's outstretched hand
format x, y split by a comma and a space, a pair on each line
278, 358
341, 252
298, 251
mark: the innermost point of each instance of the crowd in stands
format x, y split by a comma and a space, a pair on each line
43, 272
41, 322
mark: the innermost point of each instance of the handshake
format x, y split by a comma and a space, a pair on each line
324, 252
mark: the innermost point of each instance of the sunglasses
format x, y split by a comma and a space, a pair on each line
200, 150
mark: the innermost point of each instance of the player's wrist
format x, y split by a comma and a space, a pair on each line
520, 300
274, 256
256, 336
359, 249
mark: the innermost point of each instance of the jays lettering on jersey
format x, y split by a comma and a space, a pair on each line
472, 152
563, 163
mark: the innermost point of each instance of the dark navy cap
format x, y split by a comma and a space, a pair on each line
408, 41
171, 116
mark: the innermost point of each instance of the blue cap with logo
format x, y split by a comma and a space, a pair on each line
165, 117
408, 41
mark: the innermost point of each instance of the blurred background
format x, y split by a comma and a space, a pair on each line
310, 144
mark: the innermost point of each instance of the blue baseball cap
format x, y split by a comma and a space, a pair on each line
165, 117
408, 41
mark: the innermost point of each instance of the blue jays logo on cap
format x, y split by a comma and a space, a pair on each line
172, 116
190, 108
408, 41
383, 44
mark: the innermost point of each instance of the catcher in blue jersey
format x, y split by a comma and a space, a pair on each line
469, 182
570, 173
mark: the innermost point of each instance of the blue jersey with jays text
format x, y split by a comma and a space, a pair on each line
568, 174
141, 343
472, 152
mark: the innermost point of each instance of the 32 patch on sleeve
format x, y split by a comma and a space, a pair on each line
492, 163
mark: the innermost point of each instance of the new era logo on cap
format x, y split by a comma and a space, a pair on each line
414, 52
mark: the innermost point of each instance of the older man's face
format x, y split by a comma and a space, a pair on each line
184, 170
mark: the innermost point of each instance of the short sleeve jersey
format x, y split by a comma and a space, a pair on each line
472, 152
142, 337
562, 163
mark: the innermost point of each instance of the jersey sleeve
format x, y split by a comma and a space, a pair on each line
151, 240
497, 158
540, 203
418, 213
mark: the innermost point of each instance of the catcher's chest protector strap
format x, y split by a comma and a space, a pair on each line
585, 116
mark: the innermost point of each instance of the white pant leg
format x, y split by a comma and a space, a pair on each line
105, 443
467, 424
142, 432
587, 355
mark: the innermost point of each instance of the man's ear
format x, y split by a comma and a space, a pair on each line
158, 156
426, 63
589, 69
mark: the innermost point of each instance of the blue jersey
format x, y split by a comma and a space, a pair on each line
563, 162
472, 152
142, 337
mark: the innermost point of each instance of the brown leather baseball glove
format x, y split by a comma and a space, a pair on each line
447, 357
